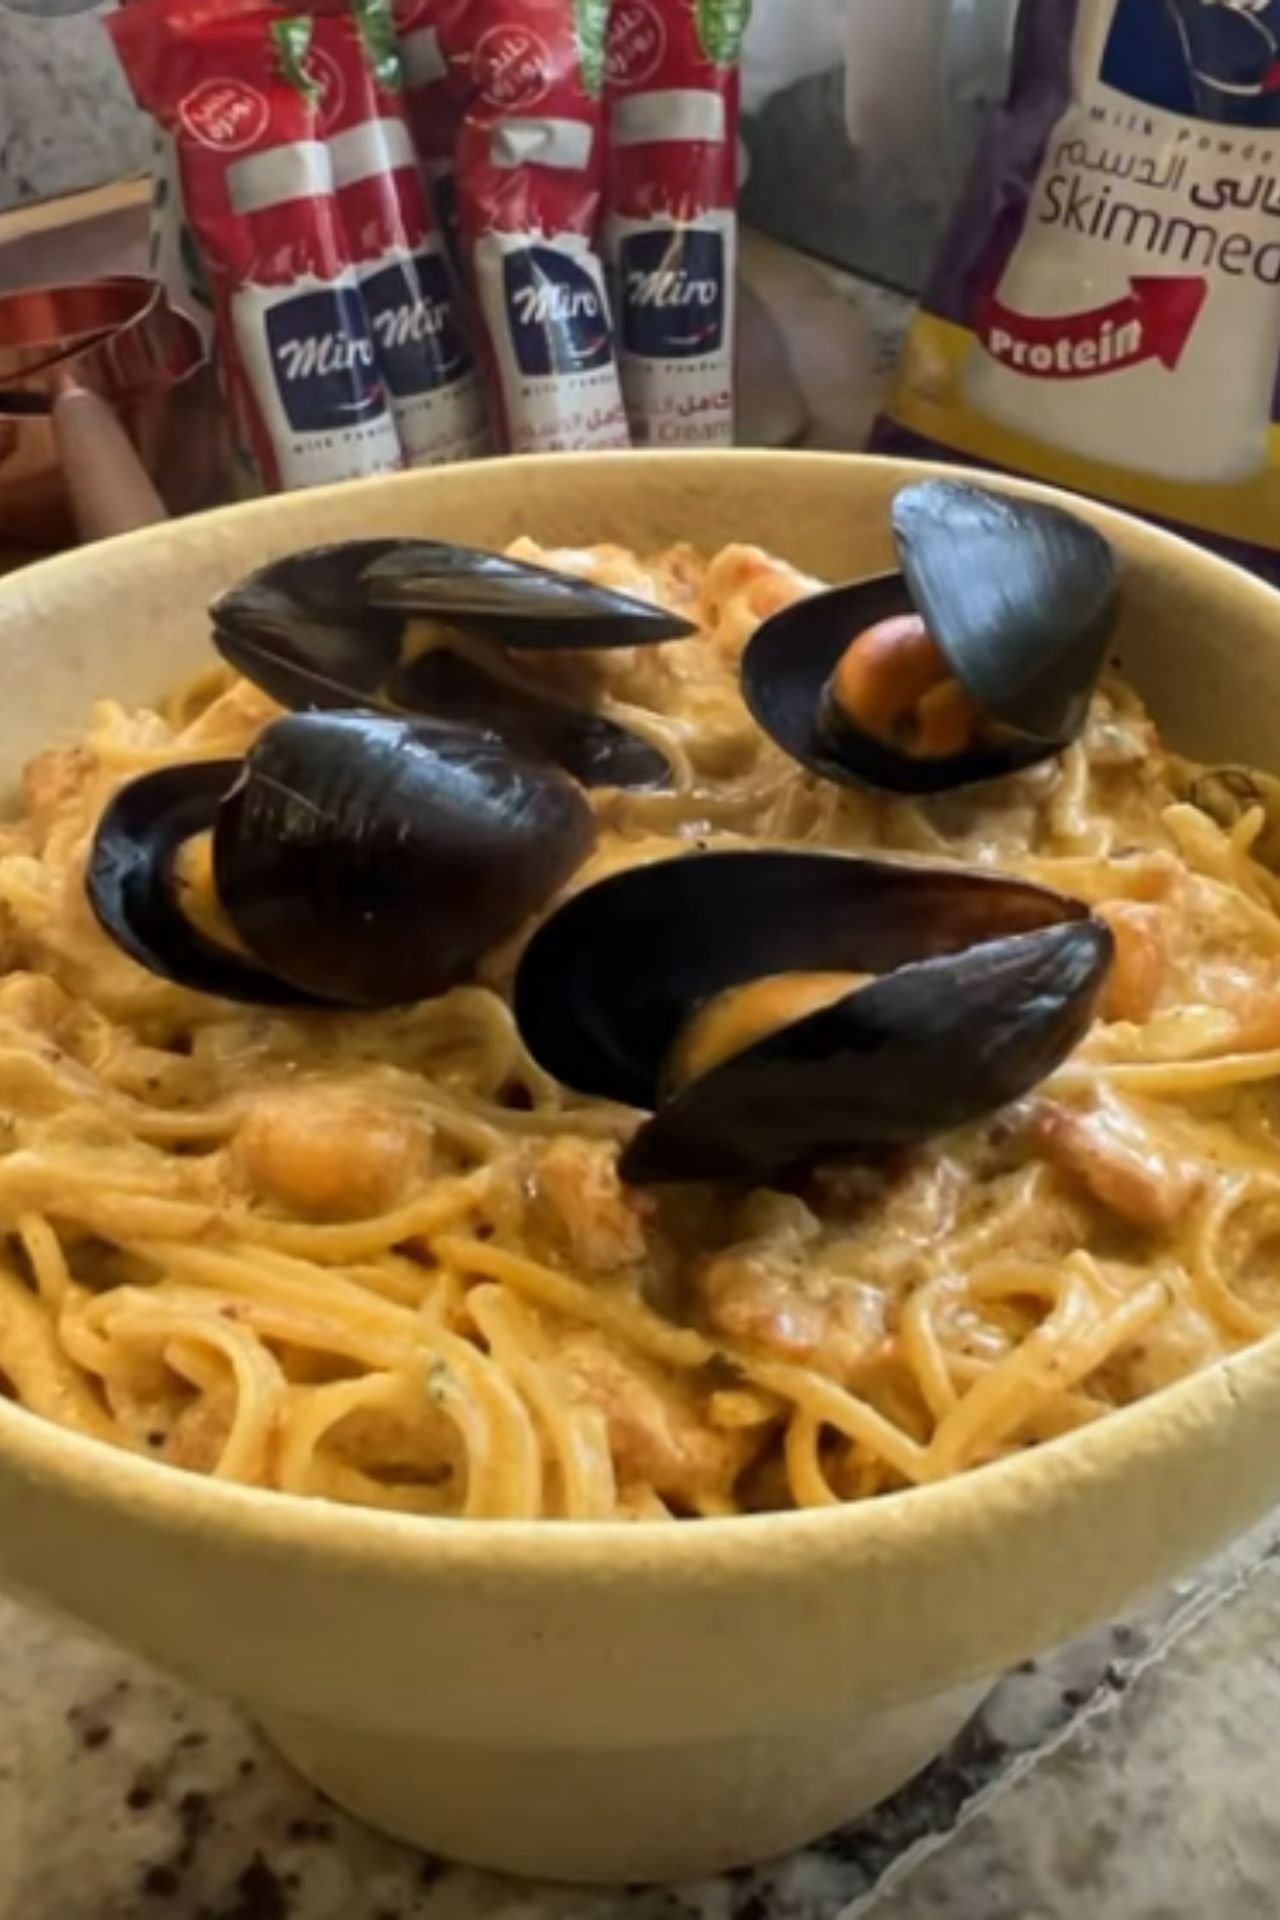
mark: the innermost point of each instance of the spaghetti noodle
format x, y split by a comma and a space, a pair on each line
382, 1258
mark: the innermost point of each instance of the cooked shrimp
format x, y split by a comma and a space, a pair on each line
1118, 1158
789, 1308
659, 1433
587, 1206
329, 1152
1141, 964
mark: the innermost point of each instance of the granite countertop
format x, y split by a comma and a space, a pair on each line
1127, 1777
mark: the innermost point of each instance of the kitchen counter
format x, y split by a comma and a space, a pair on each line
1127, 1777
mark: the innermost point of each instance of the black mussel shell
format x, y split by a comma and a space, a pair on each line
1021, 600
512, 601
987, 984
1228, 793
129, 883
785, 669
369, 861
307, 631
1020, 596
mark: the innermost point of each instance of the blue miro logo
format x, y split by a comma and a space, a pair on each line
410, 307
559, 322
323, 360
1215, 60
672, 285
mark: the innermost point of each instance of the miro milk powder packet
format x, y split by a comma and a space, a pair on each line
1106, 312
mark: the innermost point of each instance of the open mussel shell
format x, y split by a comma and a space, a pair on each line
359, 860
1020, 599
310, 632
130, 885
983, 985
1229, 793
785, 669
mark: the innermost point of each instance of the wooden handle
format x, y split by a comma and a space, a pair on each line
107, 485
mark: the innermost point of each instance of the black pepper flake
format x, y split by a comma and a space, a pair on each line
1073, 1697
94, 1735
139, 1798
260, 1895
195, 1820
155, 1438
247, 1768
310, 1830
160, 1882
754, 1907
189, 1742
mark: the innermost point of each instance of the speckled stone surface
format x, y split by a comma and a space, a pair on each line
1127, 1777
67, 119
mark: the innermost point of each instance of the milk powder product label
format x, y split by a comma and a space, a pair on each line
435, 394
233, 85
557, 312
1106, 314
547, 317
432, 106
530, 175
323, 359
672, 286
300, 327
410, 307
671, 228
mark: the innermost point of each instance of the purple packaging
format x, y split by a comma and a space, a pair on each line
1106, 312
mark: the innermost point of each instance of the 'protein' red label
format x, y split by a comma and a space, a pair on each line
530, 168
671, 230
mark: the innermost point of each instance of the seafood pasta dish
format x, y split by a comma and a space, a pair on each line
600, 1035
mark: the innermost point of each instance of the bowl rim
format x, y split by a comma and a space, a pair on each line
765, 1546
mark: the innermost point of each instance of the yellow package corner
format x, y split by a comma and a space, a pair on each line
928, 400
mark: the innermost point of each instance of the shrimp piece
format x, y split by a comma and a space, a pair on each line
329, 1152
588, 1208
786, 1307
659, 1432
1112, 1153
1141, 965
743, 586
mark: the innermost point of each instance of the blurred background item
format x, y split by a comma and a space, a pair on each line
120, 340
862, 119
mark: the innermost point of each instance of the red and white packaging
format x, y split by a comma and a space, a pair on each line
433, 110
435, 393
671, 231
227, 79
530, 172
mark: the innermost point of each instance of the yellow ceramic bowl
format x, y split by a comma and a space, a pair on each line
619, 1702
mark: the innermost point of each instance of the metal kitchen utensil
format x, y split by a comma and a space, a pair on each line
120, 340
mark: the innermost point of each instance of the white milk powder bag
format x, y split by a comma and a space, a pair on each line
1106, 314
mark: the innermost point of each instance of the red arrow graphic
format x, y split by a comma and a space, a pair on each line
1152, 322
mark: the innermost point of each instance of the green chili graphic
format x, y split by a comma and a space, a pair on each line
721, 25
293, 44
378, 37
591, 21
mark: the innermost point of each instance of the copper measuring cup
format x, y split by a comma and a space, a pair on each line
108, 412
